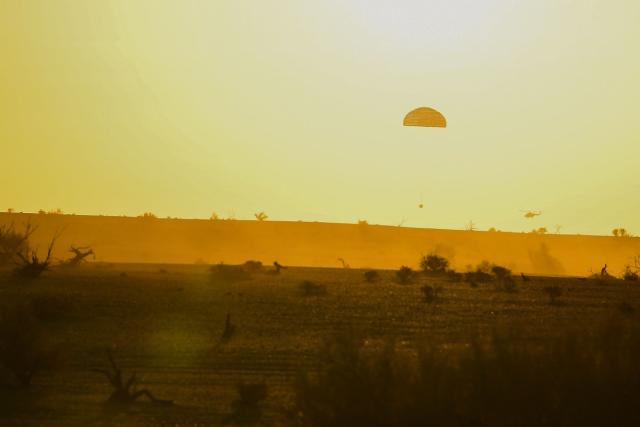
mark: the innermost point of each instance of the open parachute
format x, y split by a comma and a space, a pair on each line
425, 117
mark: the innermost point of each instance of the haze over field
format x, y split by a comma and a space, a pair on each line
152, 240
183, 108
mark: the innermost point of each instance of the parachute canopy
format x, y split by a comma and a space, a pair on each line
425, 117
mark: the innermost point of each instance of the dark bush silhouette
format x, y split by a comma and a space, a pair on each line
253, 266
433, 263
23, 347
430, 293
148, 215
371, 276
32, 266
507, 284
310, 289
478, 277
553, 292
228, 331
486, 272
454, 276
404, 276
626, 308
13, 242
630, 275
500, 272
125, 392
620, 232
229, 273
246, 410
577, 378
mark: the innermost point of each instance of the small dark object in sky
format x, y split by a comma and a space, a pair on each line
532, 214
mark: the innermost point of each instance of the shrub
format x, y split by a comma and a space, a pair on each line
620, 232
626, 308
148, 215
246, 410
253, 266
404, 275
507, 284
484, 266
32, 266
454, 276
500, 272
23, 348
477, 277
13, 242
371, 276
434, 264
229, 273
630, 275
541, 230
486, 272
553, 292
309, 289
431, 293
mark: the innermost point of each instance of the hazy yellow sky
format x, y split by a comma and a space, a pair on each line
295, 108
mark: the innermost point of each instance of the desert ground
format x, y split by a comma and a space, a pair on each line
167, 323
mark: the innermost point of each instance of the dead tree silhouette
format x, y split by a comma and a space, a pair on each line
344, 263
80, 253
32, 267
261, 216
124, 392
13, 242
603, 271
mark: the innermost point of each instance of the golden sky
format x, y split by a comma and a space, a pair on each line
295, 108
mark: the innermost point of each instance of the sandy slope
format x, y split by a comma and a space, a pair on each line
121, 239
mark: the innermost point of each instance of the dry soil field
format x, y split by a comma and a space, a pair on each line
166, 323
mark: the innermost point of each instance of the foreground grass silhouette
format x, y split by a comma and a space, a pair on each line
503, 379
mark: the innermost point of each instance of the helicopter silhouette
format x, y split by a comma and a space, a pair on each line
531, 214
